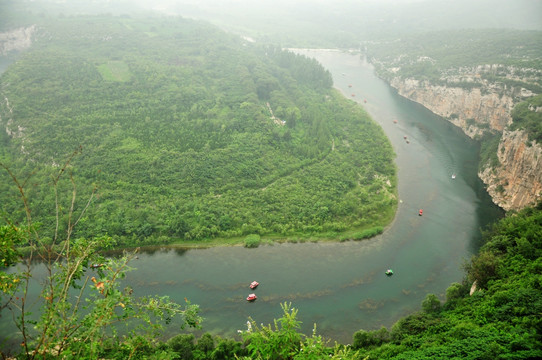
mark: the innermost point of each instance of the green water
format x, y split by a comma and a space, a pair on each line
342, 286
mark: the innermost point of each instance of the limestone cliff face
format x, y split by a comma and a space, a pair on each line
473, 110
16, 40
517, 181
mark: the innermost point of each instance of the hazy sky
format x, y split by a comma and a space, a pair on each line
362, 18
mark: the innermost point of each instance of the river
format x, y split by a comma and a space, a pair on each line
342, 286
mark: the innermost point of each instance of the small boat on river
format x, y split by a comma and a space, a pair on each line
389, 272
420, 212
251, 297
254, 284
453, 176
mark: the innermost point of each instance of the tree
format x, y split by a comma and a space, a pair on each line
431, 303
283, 341
81, 299
183, 345
453, 292
10, 238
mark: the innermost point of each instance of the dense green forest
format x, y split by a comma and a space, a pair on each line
188, 133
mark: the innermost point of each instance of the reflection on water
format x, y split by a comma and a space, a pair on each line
342, 286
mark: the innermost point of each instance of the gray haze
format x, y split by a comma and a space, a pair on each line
309, 22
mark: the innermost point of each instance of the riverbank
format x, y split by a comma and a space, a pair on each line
351, 235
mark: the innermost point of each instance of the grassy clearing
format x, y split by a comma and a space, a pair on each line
116, 71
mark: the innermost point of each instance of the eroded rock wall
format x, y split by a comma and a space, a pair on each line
517, 181
473, 110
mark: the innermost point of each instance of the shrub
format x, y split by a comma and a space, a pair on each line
252, 241
368, 233
454, 292
183, 345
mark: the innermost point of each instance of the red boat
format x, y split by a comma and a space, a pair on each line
421, 212
254, 284
251, 297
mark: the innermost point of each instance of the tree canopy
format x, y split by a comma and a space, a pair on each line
189, 133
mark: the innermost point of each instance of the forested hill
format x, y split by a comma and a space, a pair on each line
188, 133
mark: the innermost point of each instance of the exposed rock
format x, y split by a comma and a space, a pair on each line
517, 181
472, 288
470, 109
16, 40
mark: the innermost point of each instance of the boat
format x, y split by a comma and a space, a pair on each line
453, 176
350, 85
251, 297
95, 266
420, 212
395, 121
254, 284
389, 272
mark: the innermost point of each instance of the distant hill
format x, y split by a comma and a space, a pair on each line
189, 133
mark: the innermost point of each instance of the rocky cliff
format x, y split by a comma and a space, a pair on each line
517, 181
473, 110
16, 40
